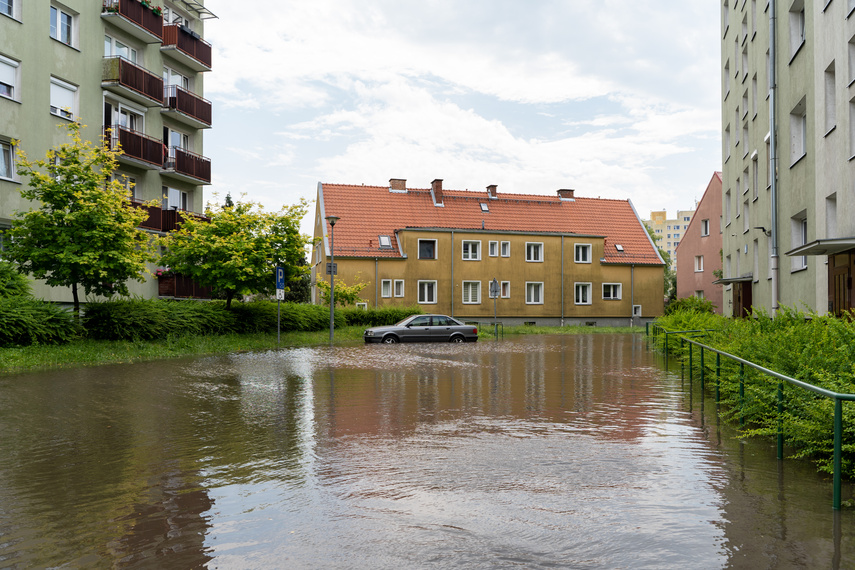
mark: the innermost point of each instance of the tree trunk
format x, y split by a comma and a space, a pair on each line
76, 302
229, 296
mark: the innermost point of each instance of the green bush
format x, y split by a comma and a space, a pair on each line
691, 304
12, 283
25, 321
147, 319
260, 316
378, 317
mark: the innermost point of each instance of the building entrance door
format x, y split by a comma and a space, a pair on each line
742, 299
840, 269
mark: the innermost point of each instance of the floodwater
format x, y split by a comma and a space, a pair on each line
537, 452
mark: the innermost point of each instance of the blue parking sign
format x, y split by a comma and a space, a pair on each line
280, 277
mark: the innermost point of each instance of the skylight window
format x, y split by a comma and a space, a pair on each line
485, 207
385, 242
618, 247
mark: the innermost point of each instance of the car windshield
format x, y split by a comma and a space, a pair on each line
403, 321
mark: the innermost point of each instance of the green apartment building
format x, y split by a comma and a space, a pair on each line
132, 67
788, 239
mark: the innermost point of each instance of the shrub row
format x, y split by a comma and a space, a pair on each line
819, 350
378, 317
25, 321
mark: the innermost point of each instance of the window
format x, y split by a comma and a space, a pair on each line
471, 250
705, 228
745, 219
7, 160
830, 99
636, 310
385, 242
533, 293
386, 288
8, 77
174, 199
427, 249
797, 26
699, 294
798, 131
485, 207
831, 216
61, 24
851, 53
399, 287
754, 96
63, 99
506, 289
363, 306
583, 253
611, 291
172, 77
427, 292
494, 248
173, 16
583, 293
726, 143
798, 231
6, 7
699, 264
174, 140
726, 79
471, 292
534, 251
727, 208
113, 47
506, 249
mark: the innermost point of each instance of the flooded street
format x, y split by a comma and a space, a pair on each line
540, 451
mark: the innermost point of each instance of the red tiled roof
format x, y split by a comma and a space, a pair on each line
369, 211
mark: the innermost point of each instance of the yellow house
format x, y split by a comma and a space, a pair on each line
557, 260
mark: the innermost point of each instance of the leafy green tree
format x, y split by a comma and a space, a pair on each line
300, 289
82, 232
344, 294
237, 251
12, 283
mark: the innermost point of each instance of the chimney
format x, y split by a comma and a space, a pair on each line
566, 194
491, 190
398, 184
436, 191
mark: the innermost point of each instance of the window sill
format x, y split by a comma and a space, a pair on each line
830, 131
10, 99
577, 261
13, 18
10, 180
63, 117
608, 299
798, 160
796, 52
64, 44
754, 117
534, 261
798, 269
850, 82
850, 13
699, 270
705, 235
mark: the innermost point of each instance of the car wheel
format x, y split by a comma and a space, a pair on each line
457, 338
390, 339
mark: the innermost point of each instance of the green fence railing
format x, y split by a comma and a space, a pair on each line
686, 337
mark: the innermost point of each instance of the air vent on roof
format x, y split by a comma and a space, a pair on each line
485, 207
618, 247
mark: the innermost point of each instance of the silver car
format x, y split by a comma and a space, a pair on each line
423, 328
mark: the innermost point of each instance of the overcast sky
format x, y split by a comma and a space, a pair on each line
614, 98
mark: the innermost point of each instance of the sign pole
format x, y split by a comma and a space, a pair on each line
280, 294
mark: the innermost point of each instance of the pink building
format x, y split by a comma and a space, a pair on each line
699, 252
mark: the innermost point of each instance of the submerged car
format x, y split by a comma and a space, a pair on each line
423, 328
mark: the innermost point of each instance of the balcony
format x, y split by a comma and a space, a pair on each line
181, 286
184, 45
132, 81
154, 221
134, 18
164, 220
185, 107
137, 149
187, 166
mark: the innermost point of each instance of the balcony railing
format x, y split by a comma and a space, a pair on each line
189, 44
154, 221
165, 220
174, 97
177, 285
130, 76
188, 164
134, 13
136, 145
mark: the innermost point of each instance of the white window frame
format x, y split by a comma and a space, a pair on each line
534, 292
536, 248
172, 77
466, 249
705, 228
505, 291
798, 225
587, 248
7, 160
363, 306
12, 5
398, 288
113, 50
699, 264
435, 249
10, 76
615, 291
577, 287
57, 31
66, 112
384, 241
425, 287
798, 132
636, 310
493, 248
471, 292
386, 288
506, 249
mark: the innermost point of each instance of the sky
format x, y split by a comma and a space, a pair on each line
613, 98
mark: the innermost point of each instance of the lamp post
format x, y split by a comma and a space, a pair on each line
332, 220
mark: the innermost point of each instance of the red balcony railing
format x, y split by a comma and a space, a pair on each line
174, 97
188, 163
135, 12
187, 42
154, 221
165, 220
131, 76
136, 145
177, 285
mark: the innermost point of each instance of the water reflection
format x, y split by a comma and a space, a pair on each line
574, 451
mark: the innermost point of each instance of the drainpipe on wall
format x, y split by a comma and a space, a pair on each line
562, 281
452, 273
631, 295
773, 151
376, 293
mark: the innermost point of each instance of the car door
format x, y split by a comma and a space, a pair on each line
440, 329
418, 330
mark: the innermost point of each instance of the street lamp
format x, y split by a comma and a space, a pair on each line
332, 220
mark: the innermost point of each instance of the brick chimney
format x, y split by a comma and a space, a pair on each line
436, 191
566, 194
398, 184
491, 190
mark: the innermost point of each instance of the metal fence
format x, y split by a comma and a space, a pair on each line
686, 338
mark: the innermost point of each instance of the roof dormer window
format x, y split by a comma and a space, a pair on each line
618, 247
385, 242
485, 207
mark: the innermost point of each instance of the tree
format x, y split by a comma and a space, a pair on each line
83, 233
236, 252
670, 275
344, 294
